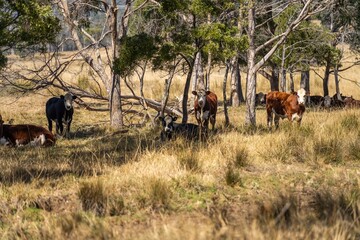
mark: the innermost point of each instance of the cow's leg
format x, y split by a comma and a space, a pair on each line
67, 133
276, 121
213, 121
269, 117
49, 124
59, 126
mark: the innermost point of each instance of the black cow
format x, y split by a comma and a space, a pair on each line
314, 100
171, 130
59, 110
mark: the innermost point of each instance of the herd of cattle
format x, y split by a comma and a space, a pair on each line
278, 105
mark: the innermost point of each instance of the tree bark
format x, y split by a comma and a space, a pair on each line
236, 90
250, 118
337, 86
227, 120
186, 96
292, 86
326, 79
305, 81
283, 70
275, 78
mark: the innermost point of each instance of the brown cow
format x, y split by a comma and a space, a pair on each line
350, 102
205, 107
18, 135
284, 105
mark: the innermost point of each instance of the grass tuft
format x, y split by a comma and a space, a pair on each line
93, 197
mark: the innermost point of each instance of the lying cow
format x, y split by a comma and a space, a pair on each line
285, 105
172, 130
314, 100
59, 110
205, 107
350, 102
23, 134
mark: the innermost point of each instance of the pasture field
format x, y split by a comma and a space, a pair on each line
243, 183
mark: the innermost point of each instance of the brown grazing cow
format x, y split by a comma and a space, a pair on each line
285, 105
205, 107
18, 135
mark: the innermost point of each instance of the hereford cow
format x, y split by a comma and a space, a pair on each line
23, 134
205, 107
285, 105
59, 110
171, 130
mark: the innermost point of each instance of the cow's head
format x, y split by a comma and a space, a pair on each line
68, 100
168, 123
301, 96
201, 97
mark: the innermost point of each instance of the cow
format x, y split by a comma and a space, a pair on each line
314, 100
205, 107
59, 110
23, 134
172, 130
285, 105
350, 102
260, 99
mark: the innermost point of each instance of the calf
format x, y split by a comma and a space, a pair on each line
23, 134
59, 110
205, 107
284, 105
172, 130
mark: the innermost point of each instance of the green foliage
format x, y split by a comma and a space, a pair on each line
26, 23
134, 50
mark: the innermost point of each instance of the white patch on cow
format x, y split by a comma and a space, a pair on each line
17, 143
279, 115
296, 117
206, 115
4, 142
198, 115
38, 141
301, 96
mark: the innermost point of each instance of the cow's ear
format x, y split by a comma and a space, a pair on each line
74, 97
62, 96
194, 93
174, 118
207, 92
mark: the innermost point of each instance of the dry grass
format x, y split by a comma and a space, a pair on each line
294, 183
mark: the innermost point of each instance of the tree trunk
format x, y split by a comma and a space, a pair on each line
186, 96
116, 116
167, 86
236, 90
250, 117
227, 121
274, 78
337, 86
326, 79
292, 86
208, 68
196, 76
305, 81
283, 71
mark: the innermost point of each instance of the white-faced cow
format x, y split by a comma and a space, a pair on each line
205, 107
23, 134
60, 110
172, 130
285, 105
